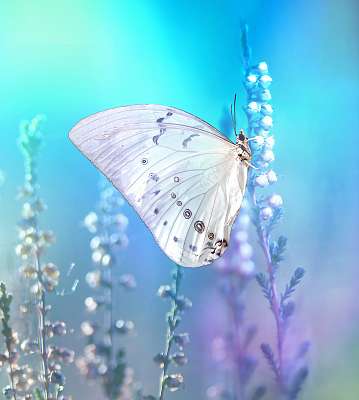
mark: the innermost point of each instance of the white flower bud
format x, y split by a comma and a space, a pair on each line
122, 221
106, 260
266, 122
266, 109
245, 251
247, 268
90, 221
253, 107
97, 256
262, 67
87, 328
91, 304
243, 220
275, 201
272, 176
261, 180
95, 242
265, 81
266, 213
251, 79
241, 236
270, 142
268, 156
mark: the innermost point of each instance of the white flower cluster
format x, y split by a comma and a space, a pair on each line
259, 113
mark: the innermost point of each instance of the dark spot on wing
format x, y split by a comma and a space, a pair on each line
156, 137
186, 141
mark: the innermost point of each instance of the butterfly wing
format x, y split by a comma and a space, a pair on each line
179, 173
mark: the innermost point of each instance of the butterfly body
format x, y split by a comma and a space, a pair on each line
185, 179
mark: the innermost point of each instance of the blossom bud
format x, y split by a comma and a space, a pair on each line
59, 328
181, 339
122, 222
241, 236
88, 328
251, 80
261, 180
245, 250
94, 278
165, 291
271, 176
247, 268
91, 221
266, 109
173, 381
275, 201
57, 378
124, 327
253, 107
265, 81
127, 281
243, 220
95, 242
266, 122
270, 142
262, 67
268, 156
266, 213
91, 304
179, 359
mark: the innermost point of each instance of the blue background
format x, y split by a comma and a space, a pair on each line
69, 59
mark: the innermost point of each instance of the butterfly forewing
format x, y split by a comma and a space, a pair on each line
179, 173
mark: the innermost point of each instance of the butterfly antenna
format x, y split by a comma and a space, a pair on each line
233, 114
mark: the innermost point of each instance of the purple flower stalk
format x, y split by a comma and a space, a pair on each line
104, 358
267, 211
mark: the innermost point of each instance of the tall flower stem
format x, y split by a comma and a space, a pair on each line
275, 301
290, 374
171, 318
173, 381
42, 278
7, 332
41, 328
107, 226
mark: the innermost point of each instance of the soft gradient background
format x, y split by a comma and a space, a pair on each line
68, 59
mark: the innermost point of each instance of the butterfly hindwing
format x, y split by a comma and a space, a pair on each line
178, 172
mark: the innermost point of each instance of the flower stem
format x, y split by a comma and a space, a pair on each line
11, 370
171, 319
275, 303
41, 328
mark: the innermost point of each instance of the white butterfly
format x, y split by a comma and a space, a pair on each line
182, 176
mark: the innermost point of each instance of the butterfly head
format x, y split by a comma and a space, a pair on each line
244, 151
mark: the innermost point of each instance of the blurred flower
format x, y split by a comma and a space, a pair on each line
35, 309
103, 358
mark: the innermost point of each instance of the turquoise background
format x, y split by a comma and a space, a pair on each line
69, 59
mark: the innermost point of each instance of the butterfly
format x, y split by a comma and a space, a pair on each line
183, 177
